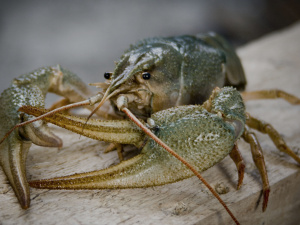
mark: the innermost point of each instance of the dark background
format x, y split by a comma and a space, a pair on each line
88, 36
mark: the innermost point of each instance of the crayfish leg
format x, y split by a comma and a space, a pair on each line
267, 128
259, 161
115, 146
237, 158
270, 94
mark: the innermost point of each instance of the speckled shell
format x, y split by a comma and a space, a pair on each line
184, 70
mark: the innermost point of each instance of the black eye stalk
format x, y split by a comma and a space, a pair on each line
146, 76
107, 75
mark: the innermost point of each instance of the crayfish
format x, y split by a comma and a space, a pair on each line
165, 86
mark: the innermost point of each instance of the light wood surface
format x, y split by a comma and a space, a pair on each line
270, 62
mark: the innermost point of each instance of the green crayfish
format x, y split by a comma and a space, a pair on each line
170, 84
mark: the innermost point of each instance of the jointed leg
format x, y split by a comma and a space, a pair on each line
259, 161
270, 94
115, 146
237, 158
273, 134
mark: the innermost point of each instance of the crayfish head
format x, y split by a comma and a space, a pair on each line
148, 76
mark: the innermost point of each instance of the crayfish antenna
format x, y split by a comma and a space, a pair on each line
105, 97
132, 117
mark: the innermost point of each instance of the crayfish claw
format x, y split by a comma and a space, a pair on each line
12, 159
30, 89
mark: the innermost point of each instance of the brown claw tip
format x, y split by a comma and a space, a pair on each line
25, 206
266, 199
24, 202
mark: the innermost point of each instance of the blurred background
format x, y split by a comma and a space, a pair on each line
88, 36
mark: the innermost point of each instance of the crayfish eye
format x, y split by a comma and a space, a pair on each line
146, 75
107, 75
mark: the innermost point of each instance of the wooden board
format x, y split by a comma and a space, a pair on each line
271, 62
